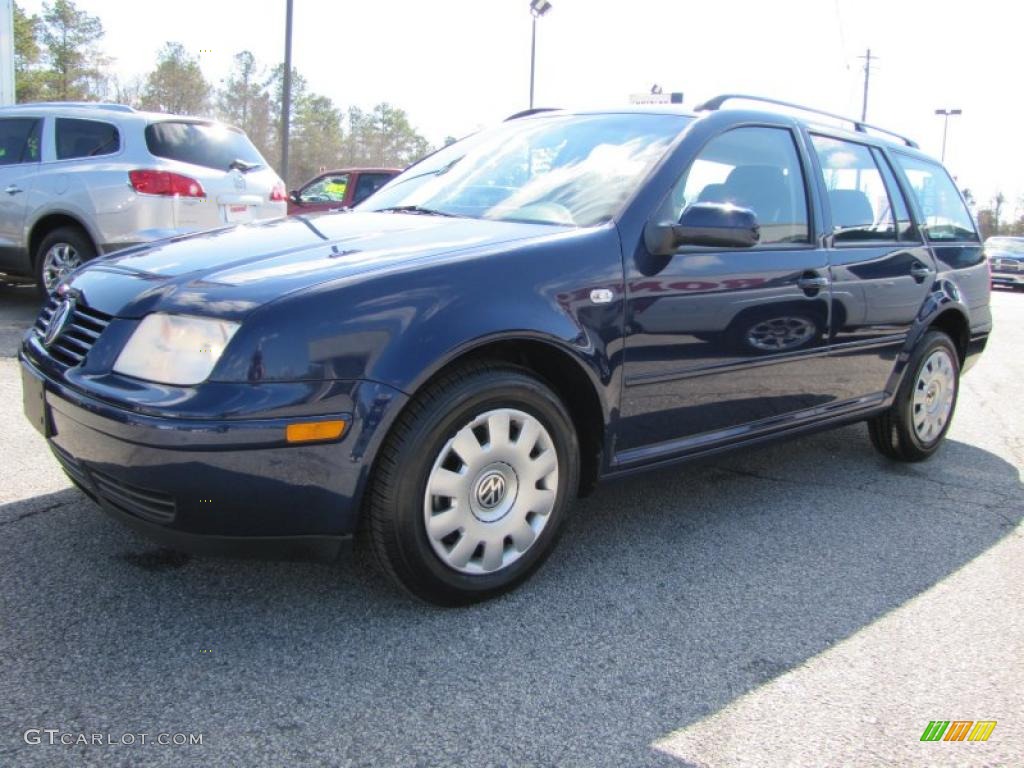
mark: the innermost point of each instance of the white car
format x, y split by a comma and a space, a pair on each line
81, 179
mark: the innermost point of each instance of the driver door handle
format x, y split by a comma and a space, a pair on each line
13, 189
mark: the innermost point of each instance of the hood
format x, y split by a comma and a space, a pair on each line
229, 272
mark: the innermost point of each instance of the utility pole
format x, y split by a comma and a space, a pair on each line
286, 94
6, 53
867, 78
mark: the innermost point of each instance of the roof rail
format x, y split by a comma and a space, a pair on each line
79, 105
858, 125
528, 112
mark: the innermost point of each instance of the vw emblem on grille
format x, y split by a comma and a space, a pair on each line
58, 320
491, 490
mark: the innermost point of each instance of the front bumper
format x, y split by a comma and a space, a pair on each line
1007, 278
225, 486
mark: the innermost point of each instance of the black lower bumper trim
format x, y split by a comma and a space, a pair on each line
324, 548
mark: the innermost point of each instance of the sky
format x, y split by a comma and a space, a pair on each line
458, 65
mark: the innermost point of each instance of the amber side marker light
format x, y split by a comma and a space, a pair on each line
313, 431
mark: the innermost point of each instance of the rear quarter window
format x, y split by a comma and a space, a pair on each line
946, 218
209, 145
85, 138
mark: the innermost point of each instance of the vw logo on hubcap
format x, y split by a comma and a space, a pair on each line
58, 321
490, 490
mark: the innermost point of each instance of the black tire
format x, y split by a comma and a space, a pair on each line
396, 526
75, 237
892, 433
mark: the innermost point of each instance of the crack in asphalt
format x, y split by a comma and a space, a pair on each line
33, 513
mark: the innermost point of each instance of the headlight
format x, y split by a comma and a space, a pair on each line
175, 349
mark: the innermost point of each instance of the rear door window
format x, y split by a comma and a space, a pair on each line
367, 184
19, 140
904, 222
85, 138
857, 195
210, 145
946, 218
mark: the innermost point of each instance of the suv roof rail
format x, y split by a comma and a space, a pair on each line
858, 125
80, 105
528, 112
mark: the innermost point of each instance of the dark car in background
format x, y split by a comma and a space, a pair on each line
335, 190
565, 298
1006, 257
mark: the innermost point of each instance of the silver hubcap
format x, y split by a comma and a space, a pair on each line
491, 491
60, 261
780, 333
933, 396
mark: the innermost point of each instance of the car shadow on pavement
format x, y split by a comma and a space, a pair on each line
671, 594
19, 305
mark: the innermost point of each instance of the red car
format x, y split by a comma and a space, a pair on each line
338, 189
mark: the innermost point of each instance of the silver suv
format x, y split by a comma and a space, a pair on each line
81, 179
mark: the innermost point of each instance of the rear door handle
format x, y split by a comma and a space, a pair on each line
920, 272
812, 283
13, 189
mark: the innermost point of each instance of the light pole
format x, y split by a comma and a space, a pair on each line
538, 8
945, 125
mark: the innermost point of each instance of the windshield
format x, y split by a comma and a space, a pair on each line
573, 170
210, 145
1009, 244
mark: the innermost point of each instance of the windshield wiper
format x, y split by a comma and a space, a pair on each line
240, 165
416, 209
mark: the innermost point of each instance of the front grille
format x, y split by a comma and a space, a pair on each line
150, 505
79, 334
1008, 265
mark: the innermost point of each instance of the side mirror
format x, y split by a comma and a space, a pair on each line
711, 224
294, 195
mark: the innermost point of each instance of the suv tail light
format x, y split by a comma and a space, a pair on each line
279, 194
165, 183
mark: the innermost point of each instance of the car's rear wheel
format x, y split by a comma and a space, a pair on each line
471, 489
59, 254
914, 427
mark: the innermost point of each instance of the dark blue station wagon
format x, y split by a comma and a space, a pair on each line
559, 300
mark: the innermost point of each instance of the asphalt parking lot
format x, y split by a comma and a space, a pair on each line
802, 604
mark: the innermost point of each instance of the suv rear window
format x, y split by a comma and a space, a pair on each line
207, 144
85, 138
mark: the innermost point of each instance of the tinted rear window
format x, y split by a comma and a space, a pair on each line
368, 184
19, 140
206, 144
85, 138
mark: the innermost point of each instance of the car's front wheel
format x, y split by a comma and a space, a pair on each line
471, 489
914, 427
